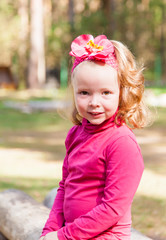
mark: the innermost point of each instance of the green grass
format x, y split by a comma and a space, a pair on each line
157, 90
16, 126
11, 119
159, 114
36, 188
149, 216
14, 120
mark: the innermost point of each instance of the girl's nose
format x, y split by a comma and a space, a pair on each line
94, 101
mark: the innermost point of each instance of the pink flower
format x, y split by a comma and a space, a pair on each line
87, 46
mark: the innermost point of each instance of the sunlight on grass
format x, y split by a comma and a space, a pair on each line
32, 164
157, 90
152, 184
161, 117
11, 119
32, 94
149, 216
14, 120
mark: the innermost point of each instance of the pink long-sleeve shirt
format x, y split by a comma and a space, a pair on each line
101, 173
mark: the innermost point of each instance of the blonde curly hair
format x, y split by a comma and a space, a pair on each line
132, 110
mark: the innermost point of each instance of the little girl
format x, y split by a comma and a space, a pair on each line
103, 164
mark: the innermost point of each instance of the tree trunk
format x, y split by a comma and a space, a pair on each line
21, 217
71, 14
36, 71
109, 9
23, 35
162, 45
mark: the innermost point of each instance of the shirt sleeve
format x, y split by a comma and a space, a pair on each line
124, 168
56, 217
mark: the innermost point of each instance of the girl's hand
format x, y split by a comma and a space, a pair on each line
51, 236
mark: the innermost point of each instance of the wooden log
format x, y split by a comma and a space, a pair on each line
136, 235
21, 217
2, 237
49, 199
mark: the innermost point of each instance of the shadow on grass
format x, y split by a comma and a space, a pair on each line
37, 188
45, 142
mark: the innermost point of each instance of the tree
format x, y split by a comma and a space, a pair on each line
23, 37
36, 68
109, 9
71, 14
163, 48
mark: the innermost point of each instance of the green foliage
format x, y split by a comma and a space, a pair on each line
57, 45
93, 23
9, 31
136, 23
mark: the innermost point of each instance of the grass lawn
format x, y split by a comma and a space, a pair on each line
37, 188
157, 90
32, 150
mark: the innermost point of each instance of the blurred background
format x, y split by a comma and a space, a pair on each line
35, 38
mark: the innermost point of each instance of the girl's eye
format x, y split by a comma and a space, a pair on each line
84, 93
106, 93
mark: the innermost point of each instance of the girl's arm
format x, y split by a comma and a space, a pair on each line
56, 217
123, 174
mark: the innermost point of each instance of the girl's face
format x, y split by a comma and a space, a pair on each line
96, 91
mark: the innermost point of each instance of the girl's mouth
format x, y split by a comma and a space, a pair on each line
95, 113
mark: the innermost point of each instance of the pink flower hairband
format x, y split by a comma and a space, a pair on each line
86, 47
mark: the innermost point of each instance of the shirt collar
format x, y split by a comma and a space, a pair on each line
91, 128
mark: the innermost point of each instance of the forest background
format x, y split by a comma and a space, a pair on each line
35, 36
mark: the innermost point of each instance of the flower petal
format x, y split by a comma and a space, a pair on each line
83, 39
78, 45
107, 44
99, 38
80, 52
